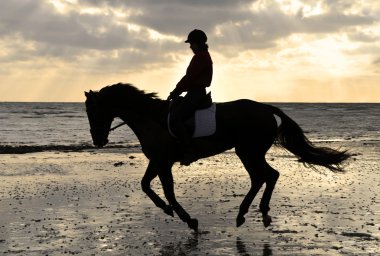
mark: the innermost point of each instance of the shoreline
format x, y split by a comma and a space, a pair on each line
136, 148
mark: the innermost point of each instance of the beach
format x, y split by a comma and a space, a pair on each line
89, 202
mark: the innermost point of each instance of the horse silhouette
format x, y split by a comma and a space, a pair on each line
248, 126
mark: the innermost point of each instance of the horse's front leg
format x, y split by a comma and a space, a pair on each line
166, 177
150, 174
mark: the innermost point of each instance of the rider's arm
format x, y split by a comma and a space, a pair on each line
197, 65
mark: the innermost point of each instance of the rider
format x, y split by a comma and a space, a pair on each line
198, 76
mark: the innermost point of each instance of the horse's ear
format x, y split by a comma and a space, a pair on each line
88, 94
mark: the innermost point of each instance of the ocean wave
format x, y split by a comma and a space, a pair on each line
57, 116
72, 116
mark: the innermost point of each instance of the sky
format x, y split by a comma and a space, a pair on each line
264, 50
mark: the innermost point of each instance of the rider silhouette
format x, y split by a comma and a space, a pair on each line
198, 76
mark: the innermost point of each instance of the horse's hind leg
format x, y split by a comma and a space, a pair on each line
257, 181
259, 172
271, 177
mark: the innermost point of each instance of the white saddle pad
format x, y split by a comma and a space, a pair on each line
205, 122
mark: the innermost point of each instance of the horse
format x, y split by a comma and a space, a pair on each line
248, 126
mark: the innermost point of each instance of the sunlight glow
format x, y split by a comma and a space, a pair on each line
326, 55
59, 5
259, 5
63, 6
290, 6
156, 36
294, 7
93, 11
313, 10
329, 53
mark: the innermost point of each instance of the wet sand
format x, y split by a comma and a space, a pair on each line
90, 203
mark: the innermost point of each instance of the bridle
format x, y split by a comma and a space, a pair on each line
95, 130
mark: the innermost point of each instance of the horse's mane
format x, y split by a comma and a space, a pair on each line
126, 90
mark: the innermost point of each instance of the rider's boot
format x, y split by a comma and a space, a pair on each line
189, 153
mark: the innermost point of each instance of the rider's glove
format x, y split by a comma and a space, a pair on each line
173, 95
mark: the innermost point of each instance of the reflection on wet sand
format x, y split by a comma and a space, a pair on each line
242, 250
190, 247
180, 248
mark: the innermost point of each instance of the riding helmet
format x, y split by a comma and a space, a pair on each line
196, 36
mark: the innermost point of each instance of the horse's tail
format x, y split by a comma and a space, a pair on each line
291, 137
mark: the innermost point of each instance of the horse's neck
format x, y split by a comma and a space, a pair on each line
148, 108
143, 116
140, 124
152, 109
148, 128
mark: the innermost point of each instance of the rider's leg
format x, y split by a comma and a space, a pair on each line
187, 107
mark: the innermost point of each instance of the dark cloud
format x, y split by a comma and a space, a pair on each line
332, 22
38, 21
232, 26
266, 26
179, 17
359, 36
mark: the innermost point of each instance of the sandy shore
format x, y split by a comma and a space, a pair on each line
90, 203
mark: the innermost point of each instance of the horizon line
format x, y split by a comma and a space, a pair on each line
265, 102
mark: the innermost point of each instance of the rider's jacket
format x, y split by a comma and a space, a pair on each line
198, 73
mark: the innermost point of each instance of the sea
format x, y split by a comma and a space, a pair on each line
27, 127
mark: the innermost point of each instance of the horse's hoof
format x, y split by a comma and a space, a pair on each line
193, 224
169, 210
267, 220
240, 221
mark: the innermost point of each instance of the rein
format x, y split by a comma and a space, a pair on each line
117, 126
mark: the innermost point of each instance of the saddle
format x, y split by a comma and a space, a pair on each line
202, 123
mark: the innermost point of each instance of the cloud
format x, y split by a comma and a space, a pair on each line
228, 22
40, 22
269, 24
34, 29
96, 34
231, 21
360, 36
179, 17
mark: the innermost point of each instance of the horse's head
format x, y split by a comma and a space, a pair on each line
100, 119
